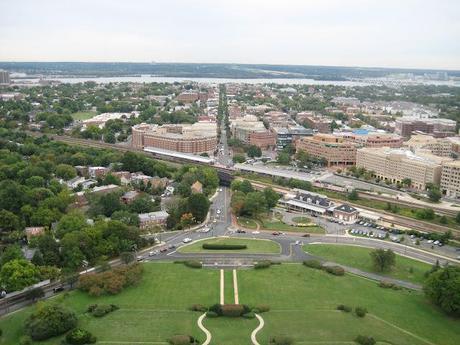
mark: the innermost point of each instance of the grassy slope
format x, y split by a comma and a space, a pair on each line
253, 246
359, 257
152, 311
83, 115
303, 303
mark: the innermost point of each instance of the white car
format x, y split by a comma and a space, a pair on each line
187, 240
256, 232
218, 211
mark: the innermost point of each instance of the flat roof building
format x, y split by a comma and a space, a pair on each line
395, 165
450, 179
335, 150
439, 127
437, 146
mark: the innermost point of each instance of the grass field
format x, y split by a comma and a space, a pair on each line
277, 225
83, 115
301, 220
358, 257
253, 246
302, 301
247, 223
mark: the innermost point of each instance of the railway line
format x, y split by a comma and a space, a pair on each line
224, 171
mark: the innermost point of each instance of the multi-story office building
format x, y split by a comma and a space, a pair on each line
289, 135
395, 165
320, 123
5, 77
242, 127
335, 150
450, 179
438, 146
440, 128
200, 137
364, 138
264, 139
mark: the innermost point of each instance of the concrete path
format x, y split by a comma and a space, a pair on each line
205, 331
258, 328
222, 295
235, 287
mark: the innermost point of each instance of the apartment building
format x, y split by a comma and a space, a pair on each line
450, 179
5, 77
335, 150
320, 123
395, 165
437, 146
200, 137
364, 138
438, 127
242, 127
263, 139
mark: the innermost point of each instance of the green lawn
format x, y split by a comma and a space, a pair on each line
253, 246
359, 257
247, 223
83, 115
277, 225
301, 220
302, 301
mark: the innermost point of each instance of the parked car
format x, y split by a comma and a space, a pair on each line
163, 250
241, 231
276, 233
187, 240
58, 289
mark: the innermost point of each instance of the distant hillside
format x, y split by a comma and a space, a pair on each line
196, 70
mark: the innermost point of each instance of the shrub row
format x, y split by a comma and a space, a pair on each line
99, 310
229, 310
281, 340
216, 246
359, 311
198, 307
364, 340
49, 321
182, 340
193, 264
110, 282
262, 264
335, 270
344, 308
79, 337
388, 285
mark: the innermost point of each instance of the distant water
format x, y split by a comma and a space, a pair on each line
287, 81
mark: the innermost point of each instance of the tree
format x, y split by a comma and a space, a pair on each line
65, 171
243, 186
254, 151
283, 158
406, 182
239, 158
271, 197
126, 217
442, 287
255, 204
383, 259
70, 222
10, 253
237, 203
35, 293
434, 194
18, 274
111, 179
142, 205
353, 195
49, 321
198, 204
8, 221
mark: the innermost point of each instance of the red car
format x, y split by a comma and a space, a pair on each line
276, 233
163, 250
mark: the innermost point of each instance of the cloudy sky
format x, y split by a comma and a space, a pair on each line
385, 33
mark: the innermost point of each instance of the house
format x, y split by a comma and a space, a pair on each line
147, 220
33, 231
73, 183
105, 189
124, 176
197, 187
307, 202
129, 197
346, 213
95, 172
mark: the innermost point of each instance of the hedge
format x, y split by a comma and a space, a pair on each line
193, 264
365, 340
389, 285
313, 264
281, 340
344, 308
182, 340
249, 315
233, 310
360, 311
262, 308
216, 246
79, 337
335, 270
198, 307
99, 310
262, 264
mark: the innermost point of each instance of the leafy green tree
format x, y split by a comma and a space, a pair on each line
142, 204
383, 259
442, 287
198, 205
126, 217
111, 179
239, 158
434, 194
65, 171
74, 221
9, 221
255, 204
12, 252
283, 158
271, 197
18, 274
254, 151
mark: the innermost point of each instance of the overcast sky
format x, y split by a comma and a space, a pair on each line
384, 33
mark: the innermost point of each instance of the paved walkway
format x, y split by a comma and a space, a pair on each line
222, 287
208, 334
235, 287
258, 328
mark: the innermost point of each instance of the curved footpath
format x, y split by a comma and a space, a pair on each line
204, 329
258, 328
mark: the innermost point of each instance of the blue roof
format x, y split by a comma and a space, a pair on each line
361, 131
